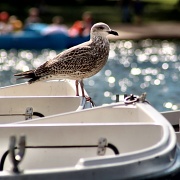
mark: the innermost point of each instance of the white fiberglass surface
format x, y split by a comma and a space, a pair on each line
103, 114
50, 88
13, 109
126, 138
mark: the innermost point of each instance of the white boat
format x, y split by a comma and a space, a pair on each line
174, 118
123, 140
23, 101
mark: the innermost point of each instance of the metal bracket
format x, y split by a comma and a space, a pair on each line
17, 157
102, 144
28, 113
134, 98
142, 97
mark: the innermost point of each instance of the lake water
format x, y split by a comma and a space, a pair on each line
133, 67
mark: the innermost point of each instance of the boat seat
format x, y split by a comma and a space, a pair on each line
49, 88
62, 145
21, 108
12, 151
120, 114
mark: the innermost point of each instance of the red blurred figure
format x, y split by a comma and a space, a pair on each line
5, 27
82, 27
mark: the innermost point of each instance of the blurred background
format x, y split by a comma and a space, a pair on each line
110, 11
144, 58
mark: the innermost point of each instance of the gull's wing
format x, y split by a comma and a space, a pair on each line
78, 58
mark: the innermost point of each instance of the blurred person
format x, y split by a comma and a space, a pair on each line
82, 27
33, 16
57, 26
5, 27
16, 23
126, 10
138, 12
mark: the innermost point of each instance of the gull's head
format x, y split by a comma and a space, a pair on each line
102, 29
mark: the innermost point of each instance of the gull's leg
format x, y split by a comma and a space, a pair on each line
82, 88
77, 89
83, 95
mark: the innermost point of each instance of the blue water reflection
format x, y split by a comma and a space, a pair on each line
134, 67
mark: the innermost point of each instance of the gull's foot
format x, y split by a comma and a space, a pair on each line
90, 100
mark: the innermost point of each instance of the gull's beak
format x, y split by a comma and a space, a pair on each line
113, 32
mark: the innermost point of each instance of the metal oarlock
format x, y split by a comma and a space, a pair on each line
16, 153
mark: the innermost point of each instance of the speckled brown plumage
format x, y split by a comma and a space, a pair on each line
79, 62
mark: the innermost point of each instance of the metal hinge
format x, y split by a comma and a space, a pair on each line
28, 113
102, 144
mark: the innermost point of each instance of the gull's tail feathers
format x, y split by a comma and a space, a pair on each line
28, 75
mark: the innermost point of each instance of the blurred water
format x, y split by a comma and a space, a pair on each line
134, 67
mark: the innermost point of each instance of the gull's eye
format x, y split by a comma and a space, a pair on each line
101, 27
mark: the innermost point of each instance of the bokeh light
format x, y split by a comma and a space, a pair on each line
133, 67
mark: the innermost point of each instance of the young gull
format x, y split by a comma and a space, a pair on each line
78, 62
